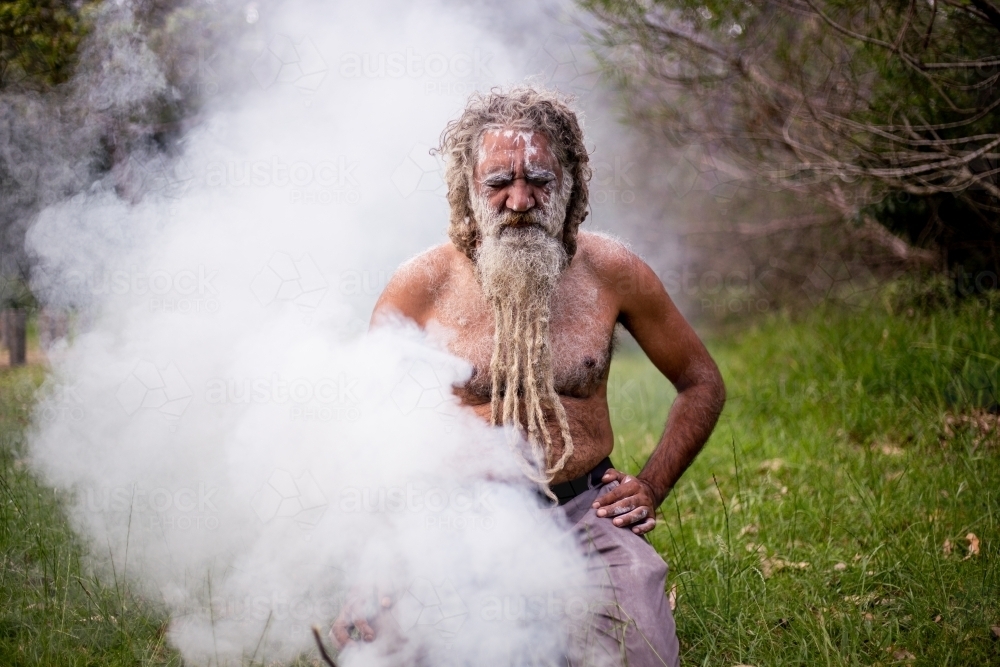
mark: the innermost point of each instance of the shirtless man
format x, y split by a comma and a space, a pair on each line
533, 305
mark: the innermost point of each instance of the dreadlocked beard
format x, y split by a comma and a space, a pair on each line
518, 269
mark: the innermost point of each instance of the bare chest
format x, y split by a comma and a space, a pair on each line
581, 334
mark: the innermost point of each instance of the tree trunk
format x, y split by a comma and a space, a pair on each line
15, 321
52, 326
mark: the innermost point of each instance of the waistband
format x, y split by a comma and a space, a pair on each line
566, 491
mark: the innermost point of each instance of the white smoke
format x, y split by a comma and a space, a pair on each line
236, 446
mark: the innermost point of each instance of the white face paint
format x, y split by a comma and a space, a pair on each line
521, 138
549, 214
551, 217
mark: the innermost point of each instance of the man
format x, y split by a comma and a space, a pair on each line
533, 305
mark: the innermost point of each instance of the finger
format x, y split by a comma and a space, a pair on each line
614, 495
364, 629
611, 475
637, 515
617, 492
623, 506
645, 526
341, 632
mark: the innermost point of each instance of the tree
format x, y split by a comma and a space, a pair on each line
38, 41
90, 93
38, 44
886, 110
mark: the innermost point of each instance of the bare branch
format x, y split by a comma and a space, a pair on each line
872, 231
322, 649
821, 115
989, 10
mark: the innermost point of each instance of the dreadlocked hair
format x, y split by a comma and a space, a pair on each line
521, 369
518, 283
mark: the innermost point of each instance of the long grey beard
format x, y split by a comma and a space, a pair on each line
518, 271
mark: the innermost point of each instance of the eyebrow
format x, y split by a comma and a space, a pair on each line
540, 174
507, 174
498, 174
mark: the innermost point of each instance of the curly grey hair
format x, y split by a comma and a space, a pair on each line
521, 107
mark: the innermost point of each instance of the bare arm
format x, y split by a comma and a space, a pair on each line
671, 344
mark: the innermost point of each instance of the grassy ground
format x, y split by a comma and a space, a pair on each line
811, 531
51, 612
826, 521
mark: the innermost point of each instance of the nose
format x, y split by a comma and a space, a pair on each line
519, 196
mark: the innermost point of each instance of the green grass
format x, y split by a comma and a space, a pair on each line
51, 611
811, 529
833, 449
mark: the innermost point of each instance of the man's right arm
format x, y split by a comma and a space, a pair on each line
412, 290
410, 293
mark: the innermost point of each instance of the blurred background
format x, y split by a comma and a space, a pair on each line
816, 182
760, 156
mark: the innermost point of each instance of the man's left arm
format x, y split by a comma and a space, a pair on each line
649, 314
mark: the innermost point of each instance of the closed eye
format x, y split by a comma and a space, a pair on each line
538, 178
497, 182
541, 178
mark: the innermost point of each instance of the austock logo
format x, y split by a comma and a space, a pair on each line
328, 181
566, 63
285, 61
285, 278
419, 171
150, 388
701, 168
833, 279
184, 291
443, 74
324, 399
612, 182
411, 64
157, 508
284, 496
424, 386
437, 606
63, 402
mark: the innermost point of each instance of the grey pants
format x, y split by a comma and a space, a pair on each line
633, 625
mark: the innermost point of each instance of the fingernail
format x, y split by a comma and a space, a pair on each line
601, 512
618, 522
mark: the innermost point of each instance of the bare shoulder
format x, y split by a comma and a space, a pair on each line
414, 287
614, 263
427, 270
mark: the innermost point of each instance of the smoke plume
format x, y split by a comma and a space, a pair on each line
235, 446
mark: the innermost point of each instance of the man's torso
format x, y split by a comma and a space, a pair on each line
582, 329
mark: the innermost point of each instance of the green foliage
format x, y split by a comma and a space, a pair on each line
52, 610
812, 528
884, 109
38, 40
15, 293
